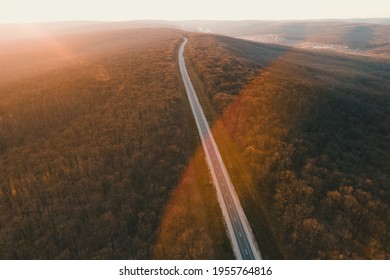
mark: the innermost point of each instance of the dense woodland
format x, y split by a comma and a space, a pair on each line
314, 130
92, 141
99, 157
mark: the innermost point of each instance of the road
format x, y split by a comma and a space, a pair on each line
240, 234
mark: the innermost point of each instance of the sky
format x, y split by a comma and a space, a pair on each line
17, 11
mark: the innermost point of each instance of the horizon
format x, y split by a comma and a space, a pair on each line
41, 11
200, 20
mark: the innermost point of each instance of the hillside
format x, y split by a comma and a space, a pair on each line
306, 136
368, 37
363, 37
93, 138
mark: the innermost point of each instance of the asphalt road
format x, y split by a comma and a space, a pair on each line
240, 234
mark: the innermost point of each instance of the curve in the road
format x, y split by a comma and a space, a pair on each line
243, 242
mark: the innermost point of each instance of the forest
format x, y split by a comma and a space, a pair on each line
313, 131
92, 141
100, 157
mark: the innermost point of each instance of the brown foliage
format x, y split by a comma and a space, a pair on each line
314, 130
90, 150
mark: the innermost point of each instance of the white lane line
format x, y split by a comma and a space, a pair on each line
239, 233
210, 149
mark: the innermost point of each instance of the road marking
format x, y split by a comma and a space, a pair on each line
214, 159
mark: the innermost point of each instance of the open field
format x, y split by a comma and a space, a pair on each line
359, 37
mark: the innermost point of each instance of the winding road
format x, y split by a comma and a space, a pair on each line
240, 234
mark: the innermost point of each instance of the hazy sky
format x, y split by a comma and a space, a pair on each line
113, 10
